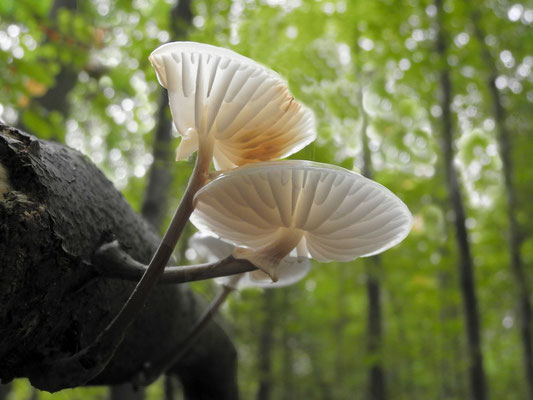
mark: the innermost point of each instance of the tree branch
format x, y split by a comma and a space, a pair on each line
113, 262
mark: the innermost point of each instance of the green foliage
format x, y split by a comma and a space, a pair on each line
329, 52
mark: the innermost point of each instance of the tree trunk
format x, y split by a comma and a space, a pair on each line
340, 325
172, 389
466, 268
513, 234
451, 378
377, 385
287, 379
159, 178
377, 389
4, 391
55, 98
155, 202
57, 212
266, 346
159, 181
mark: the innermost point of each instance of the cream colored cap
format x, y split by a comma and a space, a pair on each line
243, 106
339, 215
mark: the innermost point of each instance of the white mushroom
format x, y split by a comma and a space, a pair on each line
292, 269
229, 105
326, 212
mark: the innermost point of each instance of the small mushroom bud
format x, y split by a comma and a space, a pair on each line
292, 269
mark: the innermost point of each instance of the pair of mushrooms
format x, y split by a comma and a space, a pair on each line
240, 114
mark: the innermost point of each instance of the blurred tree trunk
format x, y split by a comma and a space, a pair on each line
287, 381
452, 384
513, 234
172, 388
377, 385
126, 392
377, 389
266, 345
466, 268
159, 180
55, 98
4, 391
340, 324
402, 378
318, 373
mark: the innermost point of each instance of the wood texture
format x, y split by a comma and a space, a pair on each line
54, 303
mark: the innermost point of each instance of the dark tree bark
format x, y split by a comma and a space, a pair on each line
266, 346
377, 388
513, 234
478, 387
59, 210
156, 195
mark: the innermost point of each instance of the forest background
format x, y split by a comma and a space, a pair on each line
434, 99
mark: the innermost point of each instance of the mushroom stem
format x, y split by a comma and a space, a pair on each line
152, 371
91, 360
199, 177
268, 257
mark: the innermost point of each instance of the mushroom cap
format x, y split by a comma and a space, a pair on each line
292, 269
342, 214
245, 107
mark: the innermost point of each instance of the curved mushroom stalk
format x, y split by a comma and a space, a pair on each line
268, 257
244, 109
326, 212
290, 269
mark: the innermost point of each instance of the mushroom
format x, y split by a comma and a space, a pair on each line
325, 212
230, 106
292, 269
